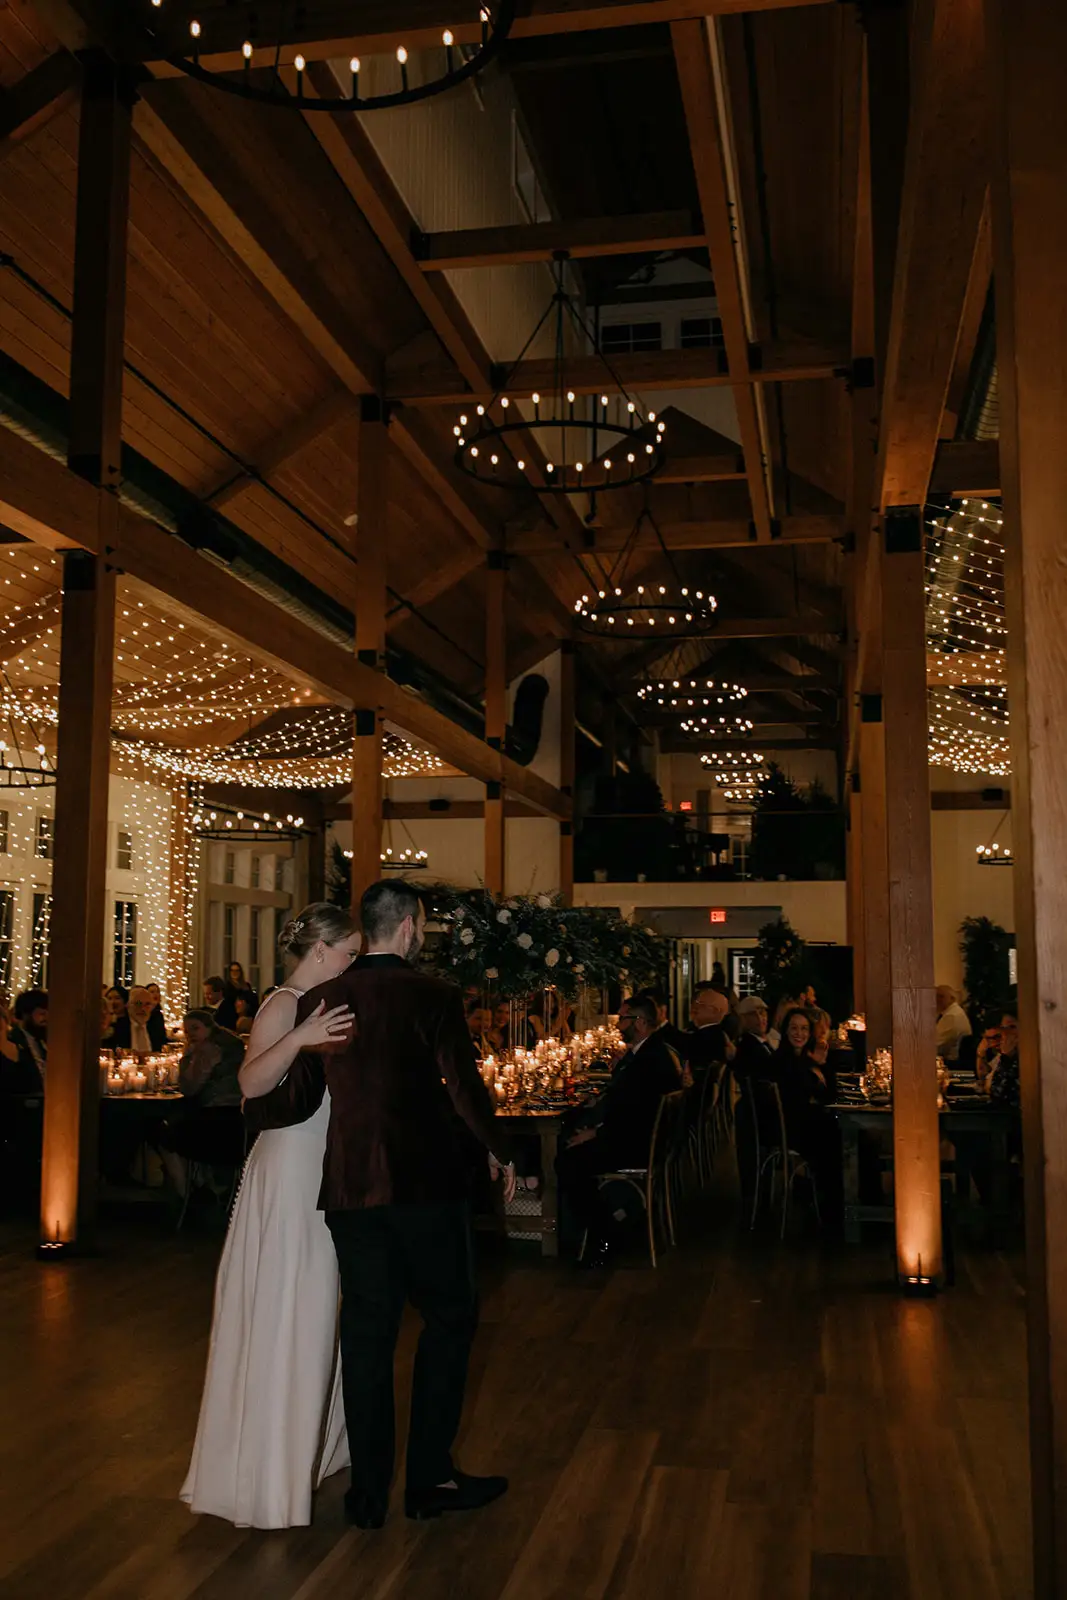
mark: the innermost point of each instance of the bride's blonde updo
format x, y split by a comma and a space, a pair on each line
321, 920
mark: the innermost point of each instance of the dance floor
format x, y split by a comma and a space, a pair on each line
752, 1420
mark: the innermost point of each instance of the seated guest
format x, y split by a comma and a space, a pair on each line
479, 1022
141, 1028
498, 1032
708, 1038
828, 1057
115, 1002
952, 1024
29, 1033
800, 1078
548, 1019
246, 1011
998, 1062
617, 1131
157, 1004
22, 1044
220, 1004
754, 1051
208, 1123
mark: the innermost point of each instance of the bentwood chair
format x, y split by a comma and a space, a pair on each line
776, 1159
652, 1183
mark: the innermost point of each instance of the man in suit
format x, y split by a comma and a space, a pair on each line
754, 1048
395, 1188
220, 1003
618, 1131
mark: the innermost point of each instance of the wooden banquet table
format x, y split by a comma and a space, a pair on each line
971, 1116
546, 1126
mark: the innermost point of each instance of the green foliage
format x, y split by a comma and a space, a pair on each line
780, 961
630, 832
984, 946
795, 833
522, 944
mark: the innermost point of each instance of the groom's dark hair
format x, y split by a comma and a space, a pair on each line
384, 906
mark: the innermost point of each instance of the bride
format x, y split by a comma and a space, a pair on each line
271, 1420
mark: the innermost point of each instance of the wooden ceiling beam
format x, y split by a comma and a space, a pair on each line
281, 448
695, 51
683, 745
974, 307
800, 622
419, 23
439, 581
644, 371
588, 237
702, 469
947, 154
42, 94
709, 534
40, 493
198, 164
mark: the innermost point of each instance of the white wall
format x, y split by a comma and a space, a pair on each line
964, 889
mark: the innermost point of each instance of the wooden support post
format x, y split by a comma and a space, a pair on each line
916, 1136
83, 757
875, 871
372, 515
1027, 52
854, 898
566, 767
496, 715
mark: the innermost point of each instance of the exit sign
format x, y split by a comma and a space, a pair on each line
717, 914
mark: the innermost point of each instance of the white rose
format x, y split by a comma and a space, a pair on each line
544, 901
524, 940
551, 958
491, 972
503, 916
467, 936
579, 966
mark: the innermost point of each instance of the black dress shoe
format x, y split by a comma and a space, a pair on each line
469, 1494
363, 1511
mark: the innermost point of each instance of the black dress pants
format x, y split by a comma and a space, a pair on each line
386, 1255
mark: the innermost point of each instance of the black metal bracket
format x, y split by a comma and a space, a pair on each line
902, 530
494, 791
870, 708
366, 724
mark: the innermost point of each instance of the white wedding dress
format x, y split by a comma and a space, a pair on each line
271, 1418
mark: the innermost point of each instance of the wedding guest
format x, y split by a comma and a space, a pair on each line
237, 983
953, 1024
709, 1038
805, 1089
141, 1028
246, 1011
115, 1002
718, 980
547, 1018
207, 1076
22, 1054
157, 1004
219, 1003
617, 1131
754, 1049
29, 1033
998, 1062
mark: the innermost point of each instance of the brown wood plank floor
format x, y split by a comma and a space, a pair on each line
753, 1420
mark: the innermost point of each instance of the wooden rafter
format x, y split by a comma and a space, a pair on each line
539, 241
967, 467
38, 97
708, 534
646, 370
693, 52
281, 448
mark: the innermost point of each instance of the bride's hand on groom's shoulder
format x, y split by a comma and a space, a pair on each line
324, 1028
508, 1174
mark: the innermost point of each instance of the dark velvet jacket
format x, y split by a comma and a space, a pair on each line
405, 1090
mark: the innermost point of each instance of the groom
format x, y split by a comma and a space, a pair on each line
395, 1193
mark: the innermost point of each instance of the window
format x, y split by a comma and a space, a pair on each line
229, 867
124, 851
42, 929
45, 837
743, 972
125, 942
229, 936
5, 832
253, 938
7, 922
253, 872
701, 333
624, 338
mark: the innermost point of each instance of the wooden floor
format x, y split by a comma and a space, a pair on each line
752, 1420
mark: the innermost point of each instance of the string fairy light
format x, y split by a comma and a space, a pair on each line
966, 634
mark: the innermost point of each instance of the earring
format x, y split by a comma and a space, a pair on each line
319, 960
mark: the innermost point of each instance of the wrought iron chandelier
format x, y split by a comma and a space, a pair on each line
593, 441
685, 694
17, 768
273, 31
709, 724
214, 821
738, 773
624, 609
